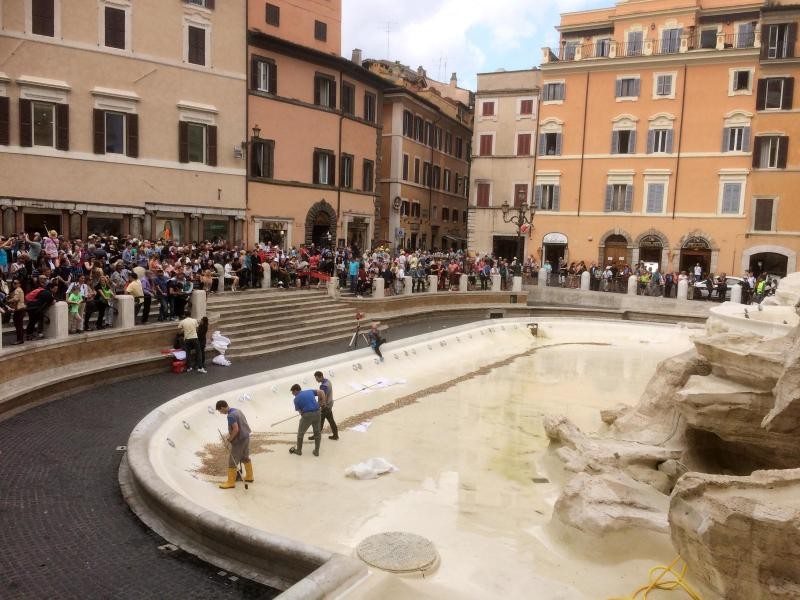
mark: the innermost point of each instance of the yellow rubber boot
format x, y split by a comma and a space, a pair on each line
248, 472
231, 483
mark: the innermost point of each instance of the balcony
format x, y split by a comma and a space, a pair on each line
610, 49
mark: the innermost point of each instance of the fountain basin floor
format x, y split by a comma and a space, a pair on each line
464, 427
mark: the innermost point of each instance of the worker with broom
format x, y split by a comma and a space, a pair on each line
239, 444
305, 403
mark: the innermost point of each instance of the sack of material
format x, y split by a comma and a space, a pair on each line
370, 469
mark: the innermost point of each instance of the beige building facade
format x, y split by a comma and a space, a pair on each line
666, 133
111, 125
315, 124
503, 157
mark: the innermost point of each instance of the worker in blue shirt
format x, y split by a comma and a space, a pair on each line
305, 402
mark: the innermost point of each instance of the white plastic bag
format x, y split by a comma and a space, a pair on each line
370, 469
221, 361
219, 338
179, 354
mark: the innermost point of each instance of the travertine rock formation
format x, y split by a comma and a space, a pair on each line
740, 535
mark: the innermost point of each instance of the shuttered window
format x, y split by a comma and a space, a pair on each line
416, 170
197, 143
659, 141
770, 152
619, 198
731, 198
523, 144
482, 192
623, 141
348, 98
778, 40
408, 124
487, 108
370, 104
486, 141
655, 198
320, 31
114, 27
775, 93
324, 167
264, 75
5, 125
459, 148
324, 91
547, 197
763, 217
262, 158
43, 17
736, 139
553, 92
526, 107
44, 124
197, 45
273, 16
627, 87
405, 167
368, 175
550, 144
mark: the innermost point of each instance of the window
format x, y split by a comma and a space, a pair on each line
437, 138
404, 208
523, 144
320, 31
457, 183
203, 3
482, 191
487, 108
670, 41
436, 177
426, 174
273, 15
446, 186
731, 198
619, 197
44, 124
635, 43
368, 175
775, 93
770, 152
664, 85
5, 125
779, 40
486, 142
623, 141
428, 134
419, 129
740, 80
408, 124
448, 142
324, 91
627, 87
114, 133
324, 167
520, 194
114, 27
415, 210
346, 171
602, 48
736, 139
198, 143
459, 148
570, 48
370, 102
550, 144
553, 92
659, 141
547, 196
405, 167
746, 35
445, 213
708, 38
197, 45
264, 75
455, 215
416, 170
262, 158
526, 107
43, 18
762, 220
655, 198
348, 98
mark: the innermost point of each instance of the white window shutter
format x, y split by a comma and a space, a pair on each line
537, 196
609, 197
614, 142
558, 144
542, 143
726, 138
632, 142
651, 141
745, 139
629, 198
556, 195
670, 136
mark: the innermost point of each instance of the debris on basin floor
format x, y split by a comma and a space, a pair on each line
370, 469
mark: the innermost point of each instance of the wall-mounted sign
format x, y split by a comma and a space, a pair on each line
554, 238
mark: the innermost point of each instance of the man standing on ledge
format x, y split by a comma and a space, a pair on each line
326, 406
239, 440
305, 402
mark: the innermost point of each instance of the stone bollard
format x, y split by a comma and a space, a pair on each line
58, 327
542, 281
123, 319
198, 304
433, 284
632, 285
408, 285
463, 283
516, 284
586, 281
266, 276
736, 294
683, 291
496, 283
377, 287
333, 287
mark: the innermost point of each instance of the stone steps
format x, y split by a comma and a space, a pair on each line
268, 323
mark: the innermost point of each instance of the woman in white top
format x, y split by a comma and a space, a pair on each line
230, 274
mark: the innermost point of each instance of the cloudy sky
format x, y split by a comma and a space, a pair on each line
466, 36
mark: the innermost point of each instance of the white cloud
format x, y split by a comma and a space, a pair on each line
466, 36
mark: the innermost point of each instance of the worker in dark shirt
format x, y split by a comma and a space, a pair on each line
37, 301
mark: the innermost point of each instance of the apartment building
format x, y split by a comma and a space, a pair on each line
315, 129
111, 125
504, 158
665, 136
427, 131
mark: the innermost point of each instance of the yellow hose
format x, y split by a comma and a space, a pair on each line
657, 582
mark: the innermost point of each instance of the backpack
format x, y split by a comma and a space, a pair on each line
32, 296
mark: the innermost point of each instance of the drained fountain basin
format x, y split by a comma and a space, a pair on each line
459, 413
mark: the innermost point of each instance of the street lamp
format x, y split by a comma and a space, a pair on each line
522, 217
247, 143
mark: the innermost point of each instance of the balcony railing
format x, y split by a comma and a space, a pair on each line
673, 45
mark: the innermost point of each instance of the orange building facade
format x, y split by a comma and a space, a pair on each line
668, 133
315, 129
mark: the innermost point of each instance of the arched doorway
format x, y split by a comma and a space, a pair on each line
771, 263
321, 224
694, 250
651, 250
554, 248
615, 250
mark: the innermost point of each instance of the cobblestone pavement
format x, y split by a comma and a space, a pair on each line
66, 532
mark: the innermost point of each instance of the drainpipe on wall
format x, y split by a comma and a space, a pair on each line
680, 143
535, 159
430, 181
583, 142
245, 150
339, 158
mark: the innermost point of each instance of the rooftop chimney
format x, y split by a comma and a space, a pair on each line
454, 80
356, 58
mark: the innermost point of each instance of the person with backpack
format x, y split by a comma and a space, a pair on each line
37, 301
16, 302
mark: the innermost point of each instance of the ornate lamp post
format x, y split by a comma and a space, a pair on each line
522, 217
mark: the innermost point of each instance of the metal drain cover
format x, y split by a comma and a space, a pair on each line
398, 552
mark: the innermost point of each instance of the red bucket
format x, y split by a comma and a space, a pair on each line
178, 366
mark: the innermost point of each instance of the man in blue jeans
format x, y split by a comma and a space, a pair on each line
353, 274
305, 402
